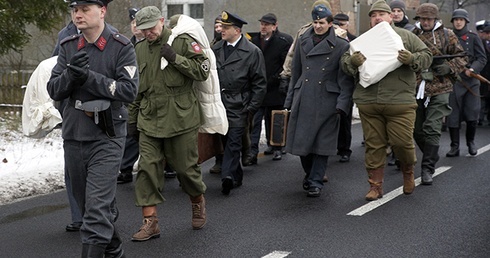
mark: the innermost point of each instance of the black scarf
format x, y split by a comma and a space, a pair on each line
402, 23
461, 32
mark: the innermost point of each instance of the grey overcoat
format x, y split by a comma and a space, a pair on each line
318, 90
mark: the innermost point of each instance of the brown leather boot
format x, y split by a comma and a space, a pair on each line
150, 228
376, 182
198, 212
408, 178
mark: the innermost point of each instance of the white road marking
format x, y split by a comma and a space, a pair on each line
480, 150
277, 254
390, 196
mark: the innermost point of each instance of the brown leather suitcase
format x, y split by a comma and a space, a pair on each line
279, 125
209, 145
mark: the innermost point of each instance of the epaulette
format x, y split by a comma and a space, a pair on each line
69, 38
120, 38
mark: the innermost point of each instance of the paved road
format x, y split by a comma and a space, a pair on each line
270, 215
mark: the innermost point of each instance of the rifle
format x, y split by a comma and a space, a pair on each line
463, 54
480, 78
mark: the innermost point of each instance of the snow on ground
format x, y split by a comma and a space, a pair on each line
28, 167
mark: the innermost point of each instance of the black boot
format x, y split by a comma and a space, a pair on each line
216, 169
92, 251
429, 160
470, 137
126, 176
114, 248
454, 134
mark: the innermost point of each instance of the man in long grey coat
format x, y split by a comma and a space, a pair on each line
318, 95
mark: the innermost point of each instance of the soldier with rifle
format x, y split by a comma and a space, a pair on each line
435, 84
465, 98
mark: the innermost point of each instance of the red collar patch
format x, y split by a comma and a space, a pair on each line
101, 43
464, 37
81, 43
196, 47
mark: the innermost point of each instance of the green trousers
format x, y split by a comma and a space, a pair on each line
181, 154
428, 124
387, 124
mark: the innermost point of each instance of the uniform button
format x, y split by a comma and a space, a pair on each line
319, 82
306, 80
328, 58
120, 116
307, 68
323, 69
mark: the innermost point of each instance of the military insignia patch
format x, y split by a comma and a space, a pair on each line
196, 47
112, 87
205, 65
131, 70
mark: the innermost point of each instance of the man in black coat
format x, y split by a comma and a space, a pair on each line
242, 76
274, 46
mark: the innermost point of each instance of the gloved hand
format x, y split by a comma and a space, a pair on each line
78, 68
427, 76
357, 59
284, 85
133, 131
405, 56
168, 53
441, 70
341, 112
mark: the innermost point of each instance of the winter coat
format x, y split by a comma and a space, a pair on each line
166, 104
243, 80
440, 44
398, 86
318, 88
112, 76
275, 51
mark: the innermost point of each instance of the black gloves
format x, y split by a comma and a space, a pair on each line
341, 112
78, 68
441, 70
168, 53
284, 85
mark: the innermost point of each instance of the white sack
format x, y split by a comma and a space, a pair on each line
39, 116
208, 92
380, 46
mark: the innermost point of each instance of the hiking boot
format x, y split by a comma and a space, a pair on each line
198, 212
148, 230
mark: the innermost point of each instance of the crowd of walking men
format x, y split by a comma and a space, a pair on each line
124, 99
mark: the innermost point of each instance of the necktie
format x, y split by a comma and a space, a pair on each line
228, 50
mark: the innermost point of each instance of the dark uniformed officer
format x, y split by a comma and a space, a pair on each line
97, 72
168, 115
465, 98
242, 74
274, 45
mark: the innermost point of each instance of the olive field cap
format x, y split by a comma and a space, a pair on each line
380, 6
232, 19
147, 17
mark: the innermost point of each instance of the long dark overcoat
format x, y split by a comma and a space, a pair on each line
242, 78
317, 90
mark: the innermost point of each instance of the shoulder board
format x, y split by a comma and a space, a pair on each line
69, 38
121, 39
472, 33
